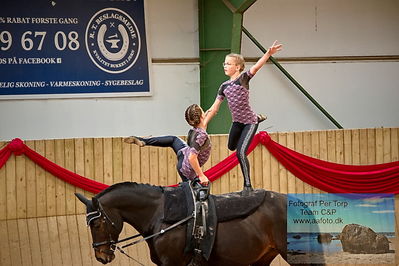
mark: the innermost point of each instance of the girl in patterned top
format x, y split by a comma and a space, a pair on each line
191, 155
245, 121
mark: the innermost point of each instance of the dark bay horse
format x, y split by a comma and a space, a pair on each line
254, 240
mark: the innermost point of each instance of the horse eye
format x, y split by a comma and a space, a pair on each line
96, 224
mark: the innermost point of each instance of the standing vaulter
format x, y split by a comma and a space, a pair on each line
245, 121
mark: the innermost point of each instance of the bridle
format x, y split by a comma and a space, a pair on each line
97, 214
100, 212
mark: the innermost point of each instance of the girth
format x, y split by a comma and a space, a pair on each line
201, 230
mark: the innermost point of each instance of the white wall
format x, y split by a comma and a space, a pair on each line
357, 94
324, 27
172, 29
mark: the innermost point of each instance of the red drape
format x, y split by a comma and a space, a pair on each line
17, 147
333, 177
327, 176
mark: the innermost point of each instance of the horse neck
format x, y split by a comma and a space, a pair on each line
136, 206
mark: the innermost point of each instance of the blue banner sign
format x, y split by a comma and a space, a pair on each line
64, 49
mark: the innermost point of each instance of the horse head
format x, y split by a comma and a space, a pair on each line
105, 225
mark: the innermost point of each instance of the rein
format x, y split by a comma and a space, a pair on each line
91, 216
153, 235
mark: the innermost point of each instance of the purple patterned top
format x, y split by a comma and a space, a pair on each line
237, 94
200, 144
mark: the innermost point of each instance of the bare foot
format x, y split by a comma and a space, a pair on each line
134, 140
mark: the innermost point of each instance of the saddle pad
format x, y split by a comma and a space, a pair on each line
232, 205
228, 206
178, 203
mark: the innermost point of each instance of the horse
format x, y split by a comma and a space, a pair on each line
253, 240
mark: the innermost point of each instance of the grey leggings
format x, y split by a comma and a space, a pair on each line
240, 137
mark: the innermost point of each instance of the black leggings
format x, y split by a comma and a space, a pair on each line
173, 142
240, 137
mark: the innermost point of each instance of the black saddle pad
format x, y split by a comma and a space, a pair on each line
232, 205
178, 203
228, 206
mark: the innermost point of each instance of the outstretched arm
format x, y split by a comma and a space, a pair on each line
193, 159
271, 51
211, 112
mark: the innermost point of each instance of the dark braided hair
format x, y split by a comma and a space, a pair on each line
193, 115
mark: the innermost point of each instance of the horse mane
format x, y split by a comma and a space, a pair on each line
127, 185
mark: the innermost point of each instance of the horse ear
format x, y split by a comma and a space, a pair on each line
94, 201
83, 199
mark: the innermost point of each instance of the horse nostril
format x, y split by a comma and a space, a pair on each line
111, 258
101, 260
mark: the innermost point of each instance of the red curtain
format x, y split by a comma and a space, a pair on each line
327, 176
17, 147
333, 177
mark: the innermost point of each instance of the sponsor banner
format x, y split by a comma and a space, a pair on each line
73, 49
341, 228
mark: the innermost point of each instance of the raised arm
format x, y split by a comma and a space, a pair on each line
212, 111
271, 51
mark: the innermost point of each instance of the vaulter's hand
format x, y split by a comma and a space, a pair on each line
204, 180
275, 48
